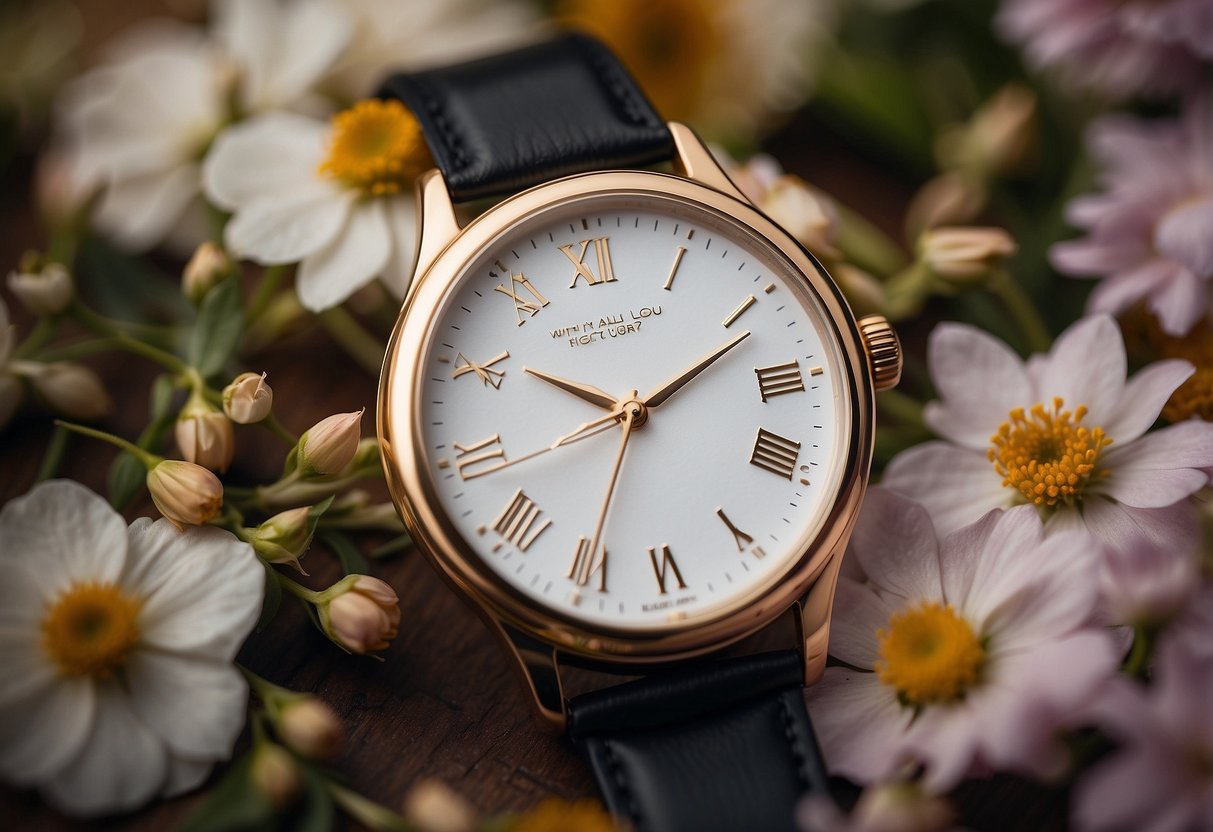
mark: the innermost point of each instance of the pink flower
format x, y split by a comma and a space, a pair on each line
1114, 47
1150, 230
1161, 779
1146, 585
963, 655
1065, 431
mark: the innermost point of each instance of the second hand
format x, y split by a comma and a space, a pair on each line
584, 431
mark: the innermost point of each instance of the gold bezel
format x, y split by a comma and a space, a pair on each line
441, 543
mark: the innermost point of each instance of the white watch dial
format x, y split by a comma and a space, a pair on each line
700, 493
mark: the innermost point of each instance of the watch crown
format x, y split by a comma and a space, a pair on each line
884, 351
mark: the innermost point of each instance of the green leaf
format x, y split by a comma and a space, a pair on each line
352, 561
316, 812
233, 804
217, 330
273, 597
125, 287
163, 390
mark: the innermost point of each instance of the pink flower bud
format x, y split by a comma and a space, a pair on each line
71, 389
208, 267
362, 614
805, 212
311, 729
434, 807
965, 254
185, 493
329, 445
205, 435
284, 537
275, 775
44, 292
248, 399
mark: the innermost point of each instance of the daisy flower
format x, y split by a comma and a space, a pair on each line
965, 654
1148, 231
1116, 48
117, 645
1160, 780
334, 197
1065, 432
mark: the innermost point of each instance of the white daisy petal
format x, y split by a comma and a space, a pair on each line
1160, 468
1183, 234
44, 730
45, 526
858, 614
286, 228
352, 260
1174, 527
202, 587
1145, 394
959, 555
402, 228
858, 722
944, 738
1009, 563
27, 667
311, 38
197, 707
1086, 366
270, 155
185, 775
1114, 295
956, 485
121, 766
979, 380
140, 211
1180, 301
912, 571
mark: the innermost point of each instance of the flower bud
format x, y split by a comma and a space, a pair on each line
275, 775
47, 291
948, 199
11, 393
71, 389
964, 255
328, 446
205, 435
360, 613
248, 399
311, 729
207, 268
996, 139
1146, 585
185, 493
284, 537
433, 806
805, 212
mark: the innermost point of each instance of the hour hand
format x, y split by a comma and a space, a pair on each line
585, 392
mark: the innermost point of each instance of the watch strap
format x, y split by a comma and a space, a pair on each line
721, 745
506, 122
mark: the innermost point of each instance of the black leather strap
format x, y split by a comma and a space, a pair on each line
723, 745
506, 122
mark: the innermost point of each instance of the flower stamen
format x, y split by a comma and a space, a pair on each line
91, 629
929, 654
376, 147
1049, 456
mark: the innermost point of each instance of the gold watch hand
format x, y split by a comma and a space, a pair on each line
583, 431
673, 385
584, 392
629, 413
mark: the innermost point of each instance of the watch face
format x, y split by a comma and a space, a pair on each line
631, 411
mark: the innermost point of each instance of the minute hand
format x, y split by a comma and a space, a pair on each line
673, 385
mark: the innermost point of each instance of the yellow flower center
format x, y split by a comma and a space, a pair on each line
1049, 456
91, 629
929, 654
668, 45
555, 815
377, 147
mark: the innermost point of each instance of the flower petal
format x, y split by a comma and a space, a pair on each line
944, 738
1160, 468
196, 706
402, 228
896, 546
270, 155
184, 775
288, 227
858, 722
43, 730
140, 211
1181, 301
960, 553
956, 485
71, 533
203, 587
1086, 366
1183, 233
349, 262
979, 380
122, 765
1115, 294
858, 614
1144, 396
1172, 527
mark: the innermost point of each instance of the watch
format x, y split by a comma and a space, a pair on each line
629, 419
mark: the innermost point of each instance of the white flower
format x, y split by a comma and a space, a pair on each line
1146, 585
964, 654
117, 644
336, 199
1065, 431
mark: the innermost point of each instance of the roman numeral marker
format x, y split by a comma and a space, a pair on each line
779, 379
584, 566
513, 292
475, 456
668, 565
517, 521
775, 453
739, 537
484, 372
602, 253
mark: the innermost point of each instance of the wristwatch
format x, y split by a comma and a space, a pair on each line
628, 418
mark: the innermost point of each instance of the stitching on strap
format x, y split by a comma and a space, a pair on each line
619, 776
789, 732
437, 110
620, 87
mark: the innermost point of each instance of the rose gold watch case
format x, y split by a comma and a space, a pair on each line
538, 636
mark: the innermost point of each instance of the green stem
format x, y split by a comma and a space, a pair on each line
101, 325
53, 457
149, 460
905, 409
266, 289
272, 424
78, 349
366, 811
297, 589
866, 246
1020, 306
350, 335
1138, 663
42, 332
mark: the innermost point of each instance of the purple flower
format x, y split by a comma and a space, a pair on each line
1150, 230
1114, 47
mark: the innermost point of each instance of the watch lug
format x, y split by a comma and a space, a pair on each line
437, 225
813, 621
540, 670
693, 160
